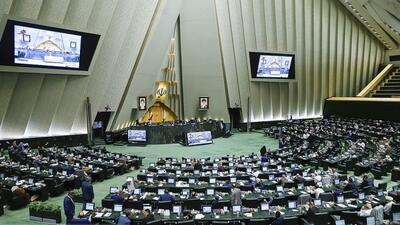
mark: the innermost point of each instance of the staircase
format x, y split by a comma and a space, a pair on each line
390, 87
99, 141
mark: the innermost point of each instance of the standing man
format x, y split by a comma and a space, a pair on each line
236, 196
87, 191
69, 207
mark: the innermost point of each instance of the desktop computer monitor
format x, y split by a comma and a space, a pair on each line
214, 171
236, 208
177, 209
89, 206
361, 196
206, 209
113, 190
196, 172
30, 181
137, 191
370, 220
396, 216
271, 177
300, 186
161, 191
150, 180
212, 180
264, 206
192, 181
340, 222
171, 180
210, 191
185, 191
292, 204
317, 202
279, 188
117, 208
231, 171
233, 179
379, 192
146, 206
178, 172
340, 199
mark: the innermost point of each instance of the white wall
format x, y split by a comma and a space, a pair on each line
335, 55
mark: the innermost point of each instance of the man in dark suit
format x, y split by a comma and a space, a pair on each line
69, 207
87, 191
278, 219
167, 197
148, 216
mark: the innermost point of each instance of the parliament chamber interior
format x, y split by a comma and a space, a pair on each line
200, 112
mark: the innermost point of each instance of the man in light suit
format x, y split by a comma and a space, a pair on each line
69, 207
236, 198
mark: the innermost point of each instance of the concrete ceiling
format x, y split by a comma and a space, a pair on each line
381, 17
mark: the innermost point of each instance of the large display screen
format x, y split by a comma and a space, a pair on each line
33, 45
272, 66
137, 136
199, 138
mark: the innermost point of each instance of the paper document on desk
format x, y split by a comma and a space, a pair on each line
341, 206
199, 216
98, 215
248, 214
107, 214
352, 206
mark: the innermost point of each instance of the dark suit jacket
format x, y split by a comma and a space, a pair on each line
69, 207
278, 221
167, 197
87, 191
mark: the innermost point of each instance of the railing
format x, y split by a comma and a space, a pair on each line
376, 81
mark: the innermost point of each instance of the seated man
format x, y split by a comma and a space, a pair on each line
148, 216
278, 219
124, 218
118, 197
167, 197
365, 210
312, 210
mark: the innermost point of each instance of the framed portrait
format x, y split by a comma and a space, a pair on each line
26, 37
142, 103
72, 44
204, 103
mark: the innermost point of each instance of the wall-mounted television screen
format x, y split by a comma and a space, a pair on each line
137, 136
265, 66
33, 45
199, 138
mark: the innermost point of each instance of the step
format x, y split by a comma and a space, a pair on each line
385, 95
382, 95
393, 81
394, 92
392, 84
395, 88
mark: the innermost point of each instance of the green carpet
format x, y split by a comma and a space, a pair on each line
239, 143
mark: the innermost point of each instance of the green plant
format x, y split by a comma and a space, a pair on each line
45, 206
34, 205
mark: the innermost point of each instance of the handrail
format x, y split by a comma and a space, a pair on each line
377, 80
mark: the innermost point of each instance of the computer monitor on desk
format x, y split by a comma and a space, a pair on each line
206, 209
340, 222
117, 208
177, 209
396, 216
264, 206
89, 206
236, 208
292, 204
113, 190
